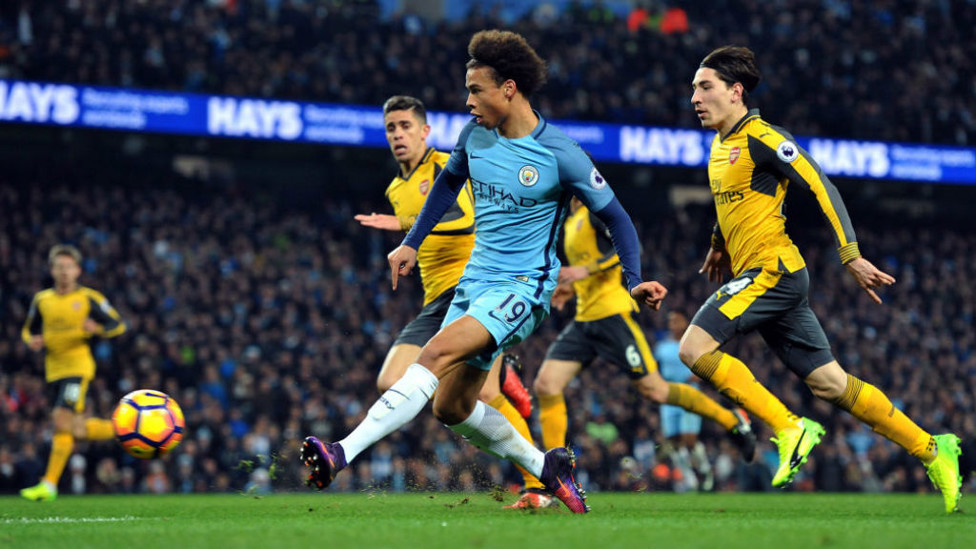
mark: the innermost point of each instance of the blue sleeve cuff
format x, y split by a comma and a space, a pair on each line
624, 238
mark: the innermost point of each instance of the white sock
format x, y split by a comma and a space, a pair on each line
682, 461
701, 457
488, 429
398, 405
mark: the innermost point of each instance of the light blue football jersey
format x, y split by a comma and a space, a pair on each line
668, 363
521, 190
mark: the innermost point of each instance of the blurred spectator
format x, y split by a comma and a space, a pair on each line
260, 483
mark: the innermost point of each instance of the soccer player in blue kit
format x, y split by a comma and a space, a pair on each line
523, 172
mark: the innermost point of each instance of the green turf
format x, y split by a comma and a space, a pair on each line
428, 521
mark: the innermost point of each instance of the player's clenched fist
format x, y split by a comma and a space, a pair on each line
649, 293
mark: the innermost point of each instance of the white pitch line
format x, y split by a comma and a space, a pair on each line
67, 520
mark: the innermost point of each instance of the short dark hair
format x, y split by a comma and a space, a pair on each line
510, 56
406, 103
734, 64
66, 250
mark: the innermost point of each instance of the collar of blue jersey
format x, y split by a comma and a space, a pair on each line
539, 128
752, 113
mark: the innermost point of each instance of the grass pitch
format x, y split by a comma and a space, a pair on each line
455, 521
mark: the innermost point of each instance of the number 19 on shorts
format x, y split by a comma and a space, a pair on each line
511, 309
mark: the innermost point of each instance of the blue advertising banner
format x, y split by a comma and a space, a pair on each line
307, 122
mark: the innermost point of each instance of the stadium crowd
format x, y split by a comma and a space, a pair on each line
268, 322
885, 61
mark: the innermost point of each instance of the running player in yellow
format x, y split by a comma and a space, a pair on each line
62, 320
441, 260
606, 326
750, 166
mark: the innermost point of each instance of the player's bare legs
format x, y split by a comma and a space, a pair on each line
655, 388
699, 351
401, 356
795, 436
66, 424
870, 405
442, 367
69, 426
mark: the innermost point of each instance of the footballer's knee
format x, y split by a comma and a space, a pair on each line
489, 392
384, 382
437, 356
827, 382
452, 412
695, 343
828, 392
689, 352
543, 386
554, 376
64, 421
78, 429
653, 388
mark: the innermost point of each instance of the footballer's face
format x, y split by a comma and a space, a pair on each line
677, 324
407, 135
716, 103
487, 100
65, 271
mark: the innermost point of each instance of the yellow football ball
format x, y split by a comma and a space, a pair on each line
148, 424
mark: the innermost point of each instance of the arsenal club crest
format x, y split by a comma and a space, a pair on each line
424, 186
734, 154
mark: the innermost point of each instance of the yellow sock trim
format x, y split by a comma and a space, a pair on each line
554, 420
61, 446
870, 405
98, 429
697, 402
505, 407
733, 379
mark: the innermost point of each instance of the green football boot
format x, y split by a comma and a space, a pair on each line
794, 447
944, 470
42, 491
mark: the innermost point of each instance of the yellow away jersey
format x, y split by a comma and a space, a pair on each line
748, 172
586, 241
59, 318
445, 252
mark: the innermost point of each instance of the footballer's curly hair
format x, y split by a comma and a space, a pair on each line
734, 64
510, 57
406, 103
